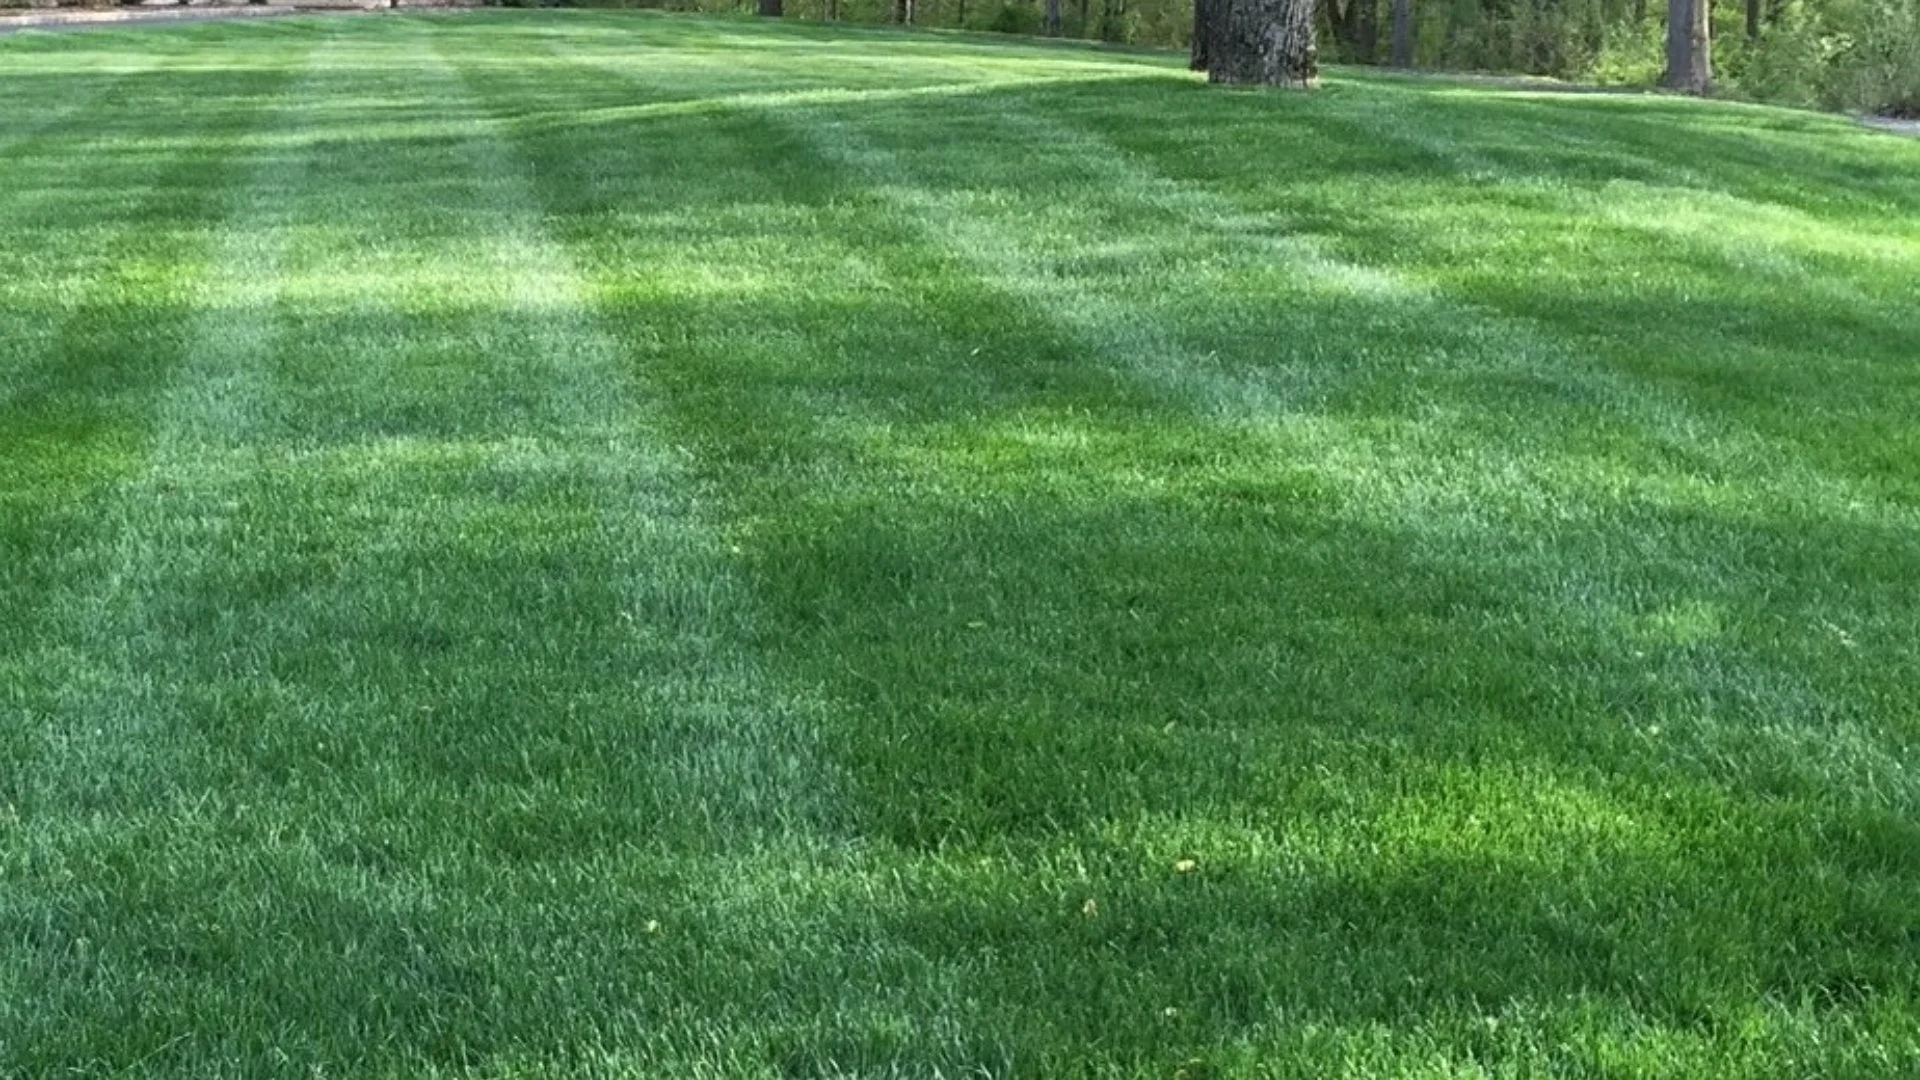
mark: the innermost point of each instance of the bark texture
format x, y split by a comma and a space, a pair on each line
1355, 29
1205, 24
1690, 46
1263, 43
1403, 33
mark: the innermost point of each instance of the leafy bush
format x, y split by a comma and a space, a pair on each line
1016, 17
1879, 69
1791, 65
1630, 55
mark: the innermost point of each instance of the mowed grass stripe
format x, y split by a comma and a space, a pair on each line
925, 472
690, 240
1490, 492
22, 126
65, 240
823, 429
125, 267
95, 281
735, 747
97, 757
1490, 478
1574, 757
460, 648
119, 733
961, 907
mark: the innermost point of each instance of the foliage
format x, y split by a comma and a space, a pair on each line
1017, 17
1795, 63
1847, 54
1877, 62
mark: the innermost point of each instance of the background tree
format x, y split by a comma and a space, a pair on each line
1262, 43
770, 8
1355, 27
1690, 46
1205, 21
1403, 33
1854, 55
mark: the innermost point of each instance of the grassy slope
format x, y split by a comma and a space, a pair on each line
602, 545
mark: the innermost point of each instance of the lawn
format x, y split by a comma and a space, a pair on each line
558, 545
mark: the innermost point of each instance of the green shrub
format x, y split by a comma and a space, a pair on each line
1879, 69
1792, 64
1630, 55
1016, 17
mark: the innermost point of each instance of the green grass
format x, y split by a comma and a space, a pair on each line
541, 545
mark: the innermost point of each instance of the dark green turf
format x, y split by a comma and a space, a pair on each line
540, 545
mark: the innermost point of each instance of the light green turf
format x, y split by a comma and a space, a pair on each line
552, 545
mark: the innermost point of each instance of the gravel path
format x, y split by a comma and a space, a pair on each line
112, 19
1909, 128
95, 20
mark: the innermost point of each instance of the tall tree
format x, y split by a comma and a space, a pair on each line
1403, 33
1690, 46
1205, 24
1355, 29
1261, 42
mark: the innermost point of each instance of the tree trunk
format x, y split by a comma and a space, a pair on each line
1403, 33
1053, 18
1702, 77
1264, 43
1753, 22
1206, 19
903, 12
1678, 43
1690, 46
1352, 28
1355, 29
770, 8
